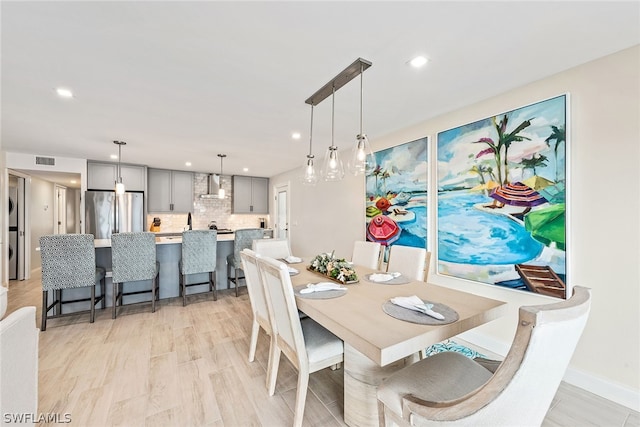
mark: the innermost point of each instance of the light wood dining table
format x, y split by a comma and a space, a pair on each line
376, 344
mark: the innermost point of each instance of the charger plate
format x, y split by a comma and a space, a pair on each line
318, 295
401, 313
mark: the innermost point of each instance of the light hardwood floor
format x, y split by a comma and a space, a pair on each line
187, 366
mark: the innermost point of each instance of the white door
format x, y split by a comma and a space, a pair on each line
60, 213
282, 212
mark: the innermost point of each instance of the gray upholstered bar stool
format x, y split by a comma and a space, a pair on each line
69, 261
133, 258
243, 239
199, 251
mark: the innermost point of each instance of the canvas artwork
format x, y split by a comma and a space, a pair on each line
501, 199
396, 196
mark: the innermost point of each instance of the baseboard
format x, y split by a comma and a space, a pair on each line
614, 392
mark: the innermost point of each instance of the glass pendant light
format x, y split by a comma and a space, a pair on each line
362, 159
221, 193
332, 168
119, 185
310, 177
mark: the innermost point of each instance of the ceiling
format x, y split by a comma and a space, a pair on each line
184, 81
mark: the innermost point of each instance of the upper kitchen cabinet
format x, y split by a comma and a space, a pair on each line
250, 195
103, 175
170, 191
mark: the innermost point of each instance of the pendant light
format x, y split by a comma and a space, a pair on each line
119, 185
221, 190
362, 160
332, 168
310, 177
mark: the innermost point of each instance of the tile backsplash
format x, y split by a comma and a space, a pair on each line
207, 210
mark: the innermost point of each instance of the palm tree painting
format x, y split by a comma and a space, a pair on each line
396, 196
501, 199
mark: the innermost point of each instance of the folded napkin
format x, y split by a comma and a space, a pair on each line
322, 286
383, 277
415, 303
292, 259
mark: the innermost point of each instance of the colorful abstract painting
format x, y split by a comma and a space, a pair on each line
396, 195
501, 199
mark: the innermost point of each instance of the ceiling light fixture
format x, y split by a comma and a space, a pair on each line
221, 190
64, 93
310, 177
333, 170
418, 61
362, 160
119, 185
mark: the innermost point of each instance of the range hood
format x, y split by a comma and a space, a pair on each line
213, 185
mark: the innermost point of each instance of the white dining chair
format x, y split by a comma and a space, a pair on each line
257, 299
307, 345
366, 254
273, 248
454, 390
409, 261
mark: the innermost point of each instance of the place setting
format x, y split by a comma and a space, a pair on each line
389, 278
320, 290
416, 310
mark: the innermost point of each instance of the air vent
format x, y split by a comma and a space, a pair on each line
49, 161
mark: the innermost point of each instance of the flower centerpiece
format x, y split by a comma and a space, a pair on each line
337, 269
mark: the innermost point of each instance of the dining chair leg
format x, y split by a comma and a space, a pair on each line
301, 398
215, 285
92, 317
115, 300
103, 290
236, 271
272, 366
255, 329
183, 290
153, 294
45, 302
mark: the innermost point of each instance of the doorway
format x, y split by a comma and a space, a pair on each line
282, 211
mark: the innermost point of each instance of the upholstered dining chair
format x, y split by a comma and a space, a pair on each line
243, 239
133, 258
273, 248
366, 254
69, 261
410, 261
257, 299
307, 345
199, 251
19, 367
452, 389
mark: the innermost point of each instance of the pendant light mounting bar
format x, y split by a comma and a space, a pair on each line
345, 76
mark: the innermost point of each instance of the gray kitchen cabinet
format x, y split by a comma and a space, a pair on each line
103, 175
170, 191
250, 195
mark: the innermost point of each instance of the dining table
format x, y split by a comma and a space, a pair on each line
377, 344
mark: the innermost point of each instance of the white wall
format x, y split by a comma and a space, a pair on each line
604, 201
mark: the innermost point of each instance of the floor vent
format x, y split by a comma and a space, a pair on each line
49, 161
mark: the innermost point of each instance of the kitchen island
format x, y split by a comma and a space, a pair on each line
168, 255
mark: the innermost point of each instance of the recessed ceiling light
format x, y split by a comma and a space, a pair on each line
187, 164
296, 135
245, 169
64, 93
114, 156
418, 61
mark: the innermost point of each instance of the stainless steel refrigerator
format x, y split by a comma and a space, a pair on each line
106, 213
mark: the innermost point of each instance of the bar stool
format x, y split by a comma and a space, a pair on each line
69, 261
199, 249
243, 239
133, 257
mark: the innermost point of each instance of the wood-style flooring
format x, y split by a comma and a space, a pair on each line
188, 366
